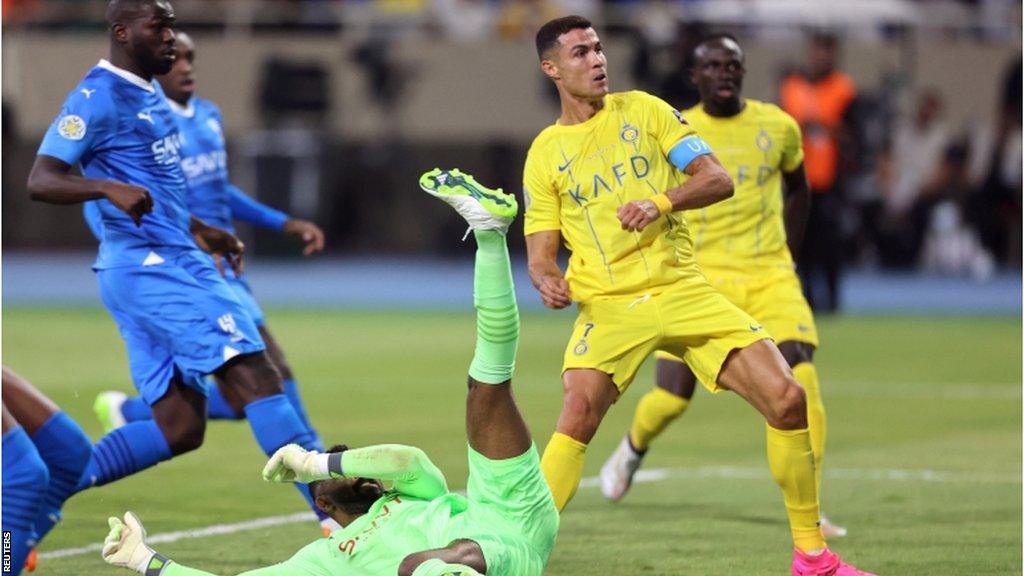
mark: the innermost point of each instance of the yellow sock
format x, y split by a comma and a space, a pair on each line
792, 464
656, 410
807, 376
562, 465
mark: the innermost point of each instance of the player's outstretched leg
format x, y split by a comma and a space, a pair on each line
759, 374
114, 409
655, 411
503, 462
59, 441
496, 429
25, 481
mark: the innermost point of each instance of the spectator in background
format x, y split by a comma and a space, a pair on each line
995, 168
819, 99
519, 19
673, 80
911, 172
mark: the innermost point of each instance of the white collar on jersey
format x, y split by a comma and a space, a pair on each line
186, 111
147, 86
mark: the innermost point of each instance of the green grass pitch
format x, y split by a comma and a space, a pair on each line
923, 462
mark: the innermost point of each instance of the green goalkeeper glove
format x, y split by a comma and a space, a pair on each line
293, 463
126, 546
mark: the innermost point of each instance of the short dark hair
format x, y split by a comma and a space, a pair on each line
122, 11
547, 36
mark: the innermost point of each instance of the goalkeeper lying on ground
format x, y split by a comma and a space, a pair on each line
505, 525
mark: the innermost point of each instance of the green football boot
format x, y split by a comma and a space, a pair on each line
482, 207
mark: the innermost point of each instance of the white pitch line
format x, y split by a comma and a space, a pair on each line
643, 476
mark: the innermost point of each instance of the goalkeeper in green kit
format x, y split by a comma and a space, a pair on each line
506, 523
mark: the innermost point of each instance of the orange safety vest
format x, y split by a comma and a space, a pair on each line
819, 108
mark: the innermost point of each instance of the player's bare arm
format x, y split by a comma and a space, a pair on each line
546, 276
709, 183
797, 207
219, 243
51, 181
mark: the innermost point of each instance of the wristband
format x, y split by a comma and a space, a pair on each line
663, 204
156, 564
334, 465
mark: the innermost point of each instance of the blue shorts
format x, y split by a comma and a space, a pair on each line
240, 286
177, 317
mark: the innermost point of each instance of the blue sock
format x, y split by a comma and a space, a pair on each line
135, 409
125, 451
274, 423
217, 408
65, 449
25, 479
291, 390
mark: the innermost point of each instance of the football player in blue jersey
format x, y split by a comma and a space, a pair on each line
212, 197
178, 317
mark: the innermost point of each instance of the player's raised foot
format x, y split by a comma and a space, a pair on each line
482, 207
617, 472
108, 410
830, 530
827, 563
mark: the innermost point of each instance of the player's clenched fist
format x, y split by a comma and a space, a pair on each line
554, 292
125, 545
293, 463
636, 215
309, 233
133, 200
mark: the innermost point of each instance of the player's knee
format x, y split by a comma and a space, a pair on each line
789, 408
580, 415
186, 438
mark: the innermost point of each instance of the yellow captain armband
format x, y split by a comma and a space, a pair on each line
663, 203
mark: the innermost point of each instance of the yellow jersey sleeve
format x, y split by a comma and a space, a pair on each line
793, 147
541, 198
665, 123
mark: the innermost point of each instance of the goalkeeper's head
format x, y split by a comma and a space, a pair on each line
345, 499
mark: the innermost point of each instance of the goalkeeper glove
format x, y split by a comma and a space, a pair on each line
126, 546
293, 463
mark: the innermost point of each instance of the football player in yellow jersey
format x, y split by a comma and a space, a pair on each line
607, 179
744, 247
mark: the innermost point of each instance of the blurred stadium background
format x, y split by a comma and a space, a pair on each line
333, 108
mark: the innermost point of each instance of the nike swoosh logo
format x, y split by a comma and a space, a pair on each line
565, 166
146, 117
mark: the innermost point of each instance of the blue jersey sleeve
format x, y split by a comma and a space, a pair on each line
86, 121
93, 219
248, 210
687, 150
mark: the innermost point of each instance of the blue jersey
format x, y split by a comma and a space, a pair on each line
119, 127
204, 160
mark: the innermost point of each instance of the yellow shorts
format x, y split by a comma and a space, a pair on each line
690, 319
773, 296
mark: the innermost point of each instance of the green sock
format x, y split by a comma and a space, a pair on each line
497, 316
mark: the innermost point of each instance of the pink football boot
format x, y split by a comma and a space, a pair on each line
825, 564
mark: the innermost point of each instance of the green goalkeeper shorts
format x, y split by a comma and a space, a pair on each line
511, 514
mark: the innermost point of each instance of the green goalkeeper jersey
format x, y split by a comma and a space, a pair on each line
508, 512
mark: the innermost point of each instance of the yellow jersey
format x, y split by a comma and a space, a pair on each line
576, 177
756, 146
